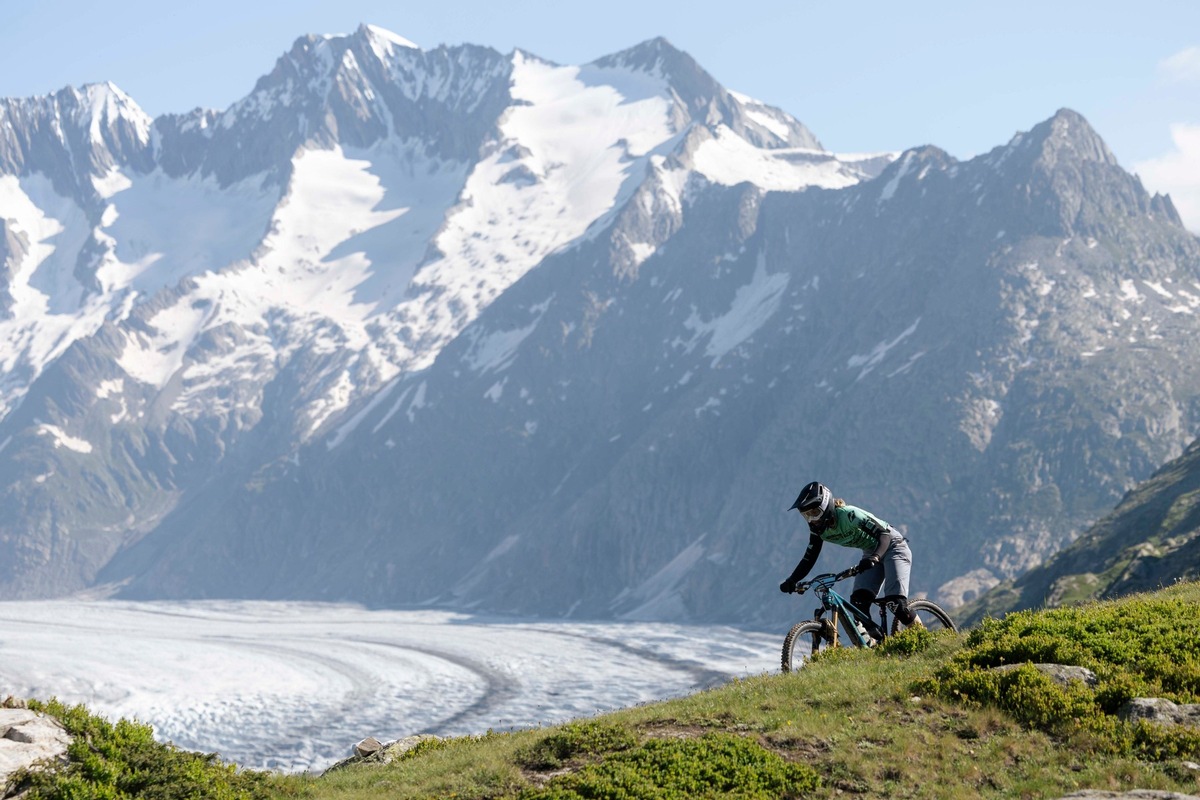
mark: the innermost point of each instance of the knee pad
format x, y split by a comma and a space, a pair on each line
902, 611
862, 599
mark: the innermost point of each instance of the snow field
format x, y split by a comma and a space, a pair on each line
292, 686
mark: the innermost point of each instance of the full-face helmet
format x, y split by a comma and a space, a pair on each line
815, 504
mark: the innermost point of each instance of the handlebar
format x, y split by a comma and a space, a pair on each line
828, 579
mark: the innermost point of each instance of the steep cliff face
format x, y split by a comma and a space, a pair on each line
974, 350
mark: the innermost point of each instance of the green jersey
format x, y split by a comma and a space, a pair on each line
853, 527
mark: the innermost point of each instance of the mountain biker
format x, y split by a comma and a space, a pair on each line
886, 560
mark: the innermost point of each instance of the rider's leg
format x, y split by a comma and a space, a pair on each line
866, 588
862, 599
897, 566
903, 613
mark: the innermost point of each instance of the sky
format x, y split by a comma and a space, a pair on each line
863, 75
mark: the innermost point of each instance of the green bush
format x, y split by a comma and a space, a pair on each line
716, 765
1140, 647
908, 642
109, 761
575, 740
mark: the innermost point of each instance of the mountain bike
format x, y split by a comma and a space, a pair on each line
821, 632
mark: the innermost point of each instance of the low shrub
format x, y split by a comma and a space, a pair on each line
115, 761
433, 745
908, 642
575, 740
1139, 647
715, 765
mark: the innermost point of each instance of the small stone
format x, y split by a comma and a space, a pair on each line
1191, 765
368, 747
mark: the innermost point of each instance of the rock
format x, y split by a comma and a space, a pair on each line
402, 746
966, 588
1062, 674
368, 747
1161, 711
370, 751
28, 738
1134, 794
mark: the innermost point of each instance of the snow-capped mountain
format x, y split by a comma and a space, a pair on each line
985, 353
476, 329
190, 297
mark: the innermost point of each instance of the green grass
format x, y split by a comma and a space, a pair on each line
920, 716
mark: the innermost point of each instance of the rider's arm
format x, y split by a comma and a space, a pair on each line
806, 562
886, 537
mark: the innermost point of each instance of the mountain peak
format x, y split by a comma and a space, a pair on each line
1067, 135
661, 59
655, 56
379, 37
104, 104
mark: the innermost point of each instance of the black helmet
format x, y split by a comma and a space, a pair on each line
814, 502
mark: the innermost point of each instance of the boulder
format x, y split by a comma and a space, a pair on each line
28, 738
1062, 674
371, 751
368, 747
1160, 711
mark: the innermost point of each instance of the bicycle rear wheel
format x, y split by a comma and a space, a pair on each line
803, 641
930, 614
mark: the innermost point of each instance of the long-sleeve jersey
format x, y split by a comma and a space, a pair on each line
851, 527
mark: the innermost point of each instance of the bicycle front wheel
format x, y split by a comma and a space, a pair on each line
930, 614
803, 641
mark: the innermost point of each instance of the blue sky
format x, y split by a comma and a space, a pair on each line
864, 76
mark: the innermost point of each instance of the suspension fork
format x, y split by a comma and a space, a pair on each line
828, 626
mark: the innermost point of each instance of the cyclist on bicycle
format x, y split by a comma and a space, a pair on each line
886, 560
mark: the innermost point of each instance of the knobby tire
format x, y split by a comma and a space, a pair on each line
932, 615
810, 632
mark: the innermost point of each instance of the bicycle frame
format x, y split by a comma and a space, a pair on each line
831, 601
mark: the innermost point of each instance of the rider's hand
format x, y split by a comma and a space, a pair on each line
787, 587
868, 562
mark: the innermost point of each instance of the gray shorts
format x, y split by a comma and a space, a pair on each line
891, 574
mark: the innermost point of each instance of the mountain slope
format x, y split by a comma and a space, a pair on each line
190, 297
1151, 539
974, 350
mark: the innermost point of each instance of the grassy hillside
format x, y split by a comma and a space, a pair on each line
1148, 541
920, 716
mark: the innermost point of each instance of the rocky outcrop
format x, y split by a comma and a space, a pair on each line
1160, 711
28, 738
372, 751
